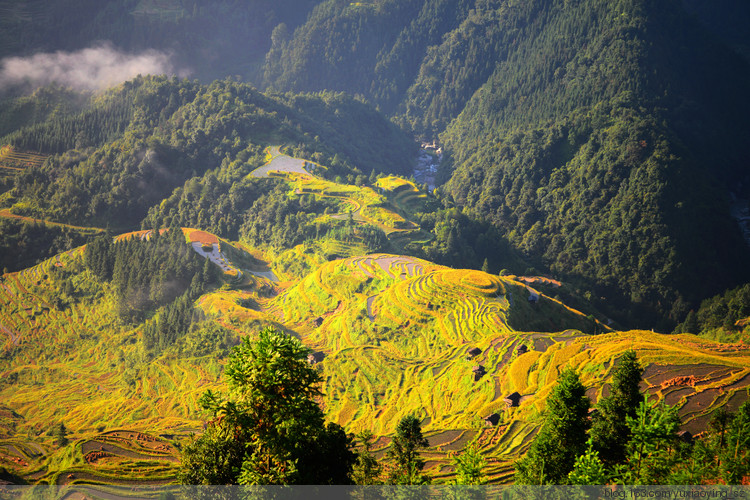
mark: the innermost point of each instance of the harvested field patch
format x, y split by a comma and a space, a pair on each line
742, 382
675, 396
78, 477
458, 443
282, 163
202, 237
736, 400
683, 380
656, 374
443, 438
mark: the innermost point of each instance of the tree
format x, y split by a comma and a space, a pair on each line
214, 458
588, 469
469, 465
270, 421
60, 433
407, 464
609, 431
653, 431
736, 462
718, 425
562, 436
367, 469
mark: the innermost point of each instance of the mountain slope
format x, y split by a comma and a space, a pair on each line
115, 336
392, 333
129, 148
207, 40
603, 139
602, 161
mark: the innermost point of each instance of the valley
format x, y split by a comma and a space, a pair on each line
393, 333
519, 228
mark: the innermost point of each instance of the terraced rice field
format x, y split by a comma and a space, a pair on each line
395, 332
13, 159
76, 359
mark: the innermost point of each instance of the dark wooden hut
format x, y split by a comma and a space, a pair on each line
685, 436
512, 399
473, 352
492, 420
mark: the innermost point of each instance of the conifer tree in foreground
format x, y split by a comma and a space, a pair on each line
367, 469
562, 436
408, 464
736, 463
469, 465
609, 431
650, 450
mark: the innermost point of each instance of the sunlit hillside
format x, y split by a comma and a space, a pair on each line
394, 333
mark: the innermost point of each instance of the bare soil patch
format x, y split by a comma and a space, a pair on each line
675, 396
111, 449
656, 374
743, 382
444, 437
282, 163
457, 444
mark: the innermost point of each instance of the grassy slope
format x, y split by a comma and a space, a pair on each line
395, 331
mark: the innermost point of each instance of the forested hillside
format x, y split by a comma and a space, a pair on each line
615, 162
208, 40
129, 148
589, 156
602, 139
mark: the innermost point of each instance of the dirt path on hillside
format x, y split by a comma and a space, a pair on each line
12, 336
5, 212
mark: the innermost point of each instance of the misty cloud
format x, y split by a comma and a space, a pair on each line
93, 68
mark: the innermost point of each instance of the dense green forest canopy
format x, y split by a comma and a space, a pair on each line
127, 149
597, 141
208, 40
602, 139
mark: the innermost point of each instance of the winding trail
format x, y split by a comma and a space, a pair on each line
5, 212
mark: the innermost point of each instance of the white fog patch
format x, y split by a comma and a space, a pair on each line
93, 68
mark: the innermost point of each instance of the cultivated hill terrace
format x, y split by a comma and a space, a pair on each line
473, 355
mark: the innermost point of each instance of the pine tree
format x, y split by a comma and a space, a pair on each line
367, 469
736, 460
469, 465
562, 436
61, 435
588, 469
649, 453
407, 463
610, 432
